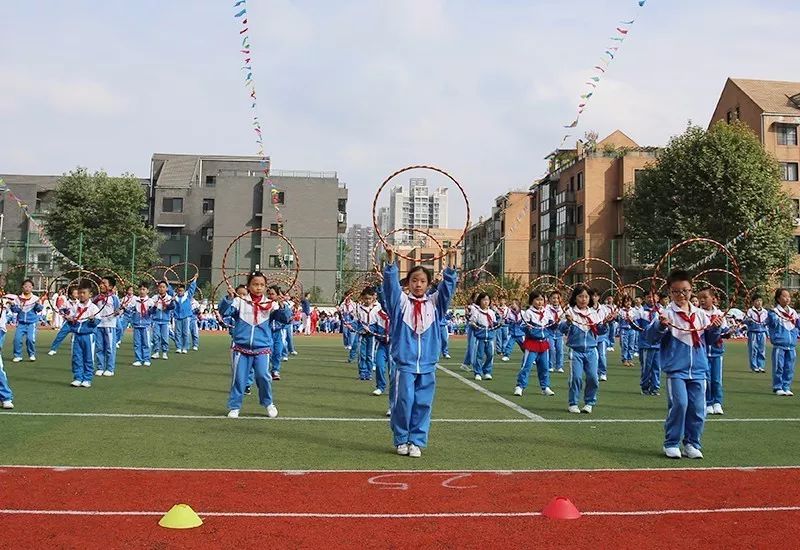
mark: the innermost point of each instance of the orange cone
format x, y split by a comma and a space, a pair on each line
561, 508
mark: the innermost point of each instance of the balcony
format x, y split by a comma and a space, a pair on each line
566, 230
565, 198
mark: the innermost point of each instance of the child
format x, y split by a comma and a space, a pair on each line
163, 305
106, 337
82, 319
277, 324
537, 321
612, 326
380, 330
367, 316
650, 380
194, 321
252, 341
27, 308
715, 350
6, 395
416, 345
484, 328
61, 303
627, 330
122, 320
516, 329
783, 325
684, 360
638, 310
556, 338
139, 313
469, 354
605, 311
347, 310
501, 334
182, 300
756, 322
71, 302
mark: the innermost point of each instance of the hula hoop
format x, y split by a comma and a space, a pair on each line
650, 280
262, 230
187, 264
375, 225
83, 274
682, 244
166, 269
4, 275
375, 266
585, 262
119, 278
783, 271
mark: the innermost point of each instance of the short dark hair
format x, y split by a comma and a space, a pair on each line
678, 276
162, 281
626, 299
756, 297
143, 284
369, 291
241, 286
533, 295
578, 289
255, 274
554, 293
85, 284
27, 281
780, 291
479, 297
180, 286
276, 288
111, 280
428, 273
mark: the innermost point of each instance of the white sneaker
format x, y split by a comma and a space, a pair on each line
552, 370
376, 391
718, 409
108, 373
163, 355
709, 409
155, 356
294, 353
637, 355
560, 370
86, 384
690, 451
33, 358
194, 348
610, 349
487, 376
548, 392
672, 452
478, 377
465, 367
16, 359
587, 409
388, 412
505, 359
414, 451
117, 345
574, 409
518, 391
98, 372
147, 363
787, 393
603, 378
780, 392
447, 356
75, 383
272, 411
51, 352
137, 363
402, 449
233, 413
8, 405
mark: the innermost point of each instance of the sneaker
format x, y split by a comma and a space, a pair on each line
487, 376
478, 377
505, 359
552, 370
294, 353
163, 355
155, 356
276, 376
137, 363
147, 363
402, 450
98, 372
709, 409
117, 345
194, 348
655, 393
637, 355
414, 451
8, 405
610, 350
603, 378
645, 391
108, 373
347, 347
16, 359
672, 452
51, 352
377, 391
465, 367
548, 392
690, 451
388, 412
787, 393
272, 411
718, 409
559, 370
33, 358
447, 356
248, 390
86, 384
587, 409
75, 383
574, 409
518, 391
780, 392
233, 413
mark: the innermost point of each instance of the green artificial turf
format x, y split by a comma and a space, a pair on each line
319, 383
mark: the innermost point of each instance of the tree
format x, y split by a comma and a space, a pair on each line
108, 213
718, 184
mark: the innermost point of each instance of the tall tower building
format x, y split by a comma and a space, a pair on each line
416, 208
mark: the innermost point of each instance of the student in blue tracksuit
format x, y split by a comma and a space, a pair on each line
162, 307
347, 309
501, 334
613, 325
139, 312
626, 317
583, 325
610, 312
64, 331
537, 321
106, 336
252, 333
27, 307
380, 330
385, 343
555, 337
277, 324
649, 356
683, 332
367, 317
469, 354
638, 310
123, 322
193, 325
416, 345
783, 324
83, 319
484, 325
516, 329
756, 322
6, 395
183, 314
715, 351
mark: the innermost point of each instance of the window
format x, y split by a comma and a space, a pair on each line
572, 183
545, 205
171, 234
732, 115
172, 204
637, 176
579, 215
171, 259
207, 233
787, 134
579, 246
208, 206
796, 208
276, 227
211, 181
274, 261
533, 261
580, 181
205, 260
278, 198
789, 171
797, 244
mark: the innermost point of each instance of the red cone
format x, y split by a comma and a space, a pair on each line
561, 508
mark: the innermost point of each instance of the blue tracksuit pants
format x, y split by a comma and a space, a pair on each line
757, 349
27, 331
194, 331
160, 337
141, 344
612, 333
636, 340
783, 361
277, 351
501, 338
542, 360
83, 357
445, 340
122, 324
62, 333
583, 363
241, 365
686, 412
182, 336
105, 348
556, 342
411, 404
714, 381
366, 357
382, 360
354, 346
5, 390
518, 341
288, 332
602, 360
627, 339
483, 363
469, 354
651, 369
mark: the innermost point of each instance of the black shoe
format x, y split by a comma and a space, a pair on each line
247, 390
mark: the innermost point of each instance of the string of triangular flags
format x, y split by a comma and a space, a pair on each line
728, 244
600, 70
247, 68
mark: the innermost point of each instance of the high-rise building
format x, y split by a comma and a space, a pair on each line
361, 242
416, 208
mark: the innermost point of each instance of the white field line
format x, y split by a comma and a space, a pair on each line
532, 418
510, 404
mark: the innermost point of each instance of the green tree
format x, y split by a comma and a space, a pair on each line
716, 184
107, 211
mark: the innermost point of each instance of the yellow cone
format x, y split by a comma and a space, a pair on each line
180, 516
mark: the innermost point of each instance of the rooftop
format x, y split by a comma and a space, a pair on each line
772, 96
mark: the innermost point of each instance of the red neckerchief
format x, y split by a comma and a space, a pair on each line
589, 321
540, 314
627, 312
555, 313
142, 309
258, 306
516, 316
489, 322
690, 319
786, 315
417, 314
23, 300
758, 315
81, 311
163, 300
385, 318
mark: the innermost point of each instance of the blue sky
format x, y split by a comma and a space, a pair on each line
479, 88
